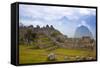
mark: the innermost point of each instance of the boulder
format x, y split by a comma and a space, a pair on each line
51, 57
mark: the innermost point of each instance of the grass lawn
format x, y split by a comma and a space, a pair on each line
29, 55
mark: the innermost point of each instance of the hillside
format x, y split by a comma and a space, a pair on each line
50, 38
40, 44
44, 37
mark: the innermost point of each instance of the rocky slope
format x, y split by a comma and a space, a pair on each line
44, 37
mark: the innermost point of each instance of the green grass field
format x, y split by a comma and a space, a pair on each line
29, 55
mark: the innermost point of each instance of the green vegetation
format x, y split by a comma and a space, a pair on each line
54, 34
29, 55
46, 44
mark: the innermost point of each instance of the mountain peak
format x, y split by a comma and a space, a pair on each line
83, 31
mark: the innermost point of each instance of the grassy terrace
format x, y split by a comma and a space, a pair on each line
29, 55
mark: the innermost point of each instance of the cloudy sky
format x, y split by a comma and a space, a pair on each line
64, 19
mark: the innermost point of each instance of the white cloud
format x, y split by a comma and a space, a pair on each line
87, 11
48, 13
34, 23
54, 13
84, 23
56, 16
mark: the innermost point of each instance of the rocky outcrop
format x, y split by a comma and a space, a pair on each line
50, 38
47, 31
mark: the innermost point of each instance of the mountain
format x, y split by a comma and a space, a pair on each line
82, 31
50, 38
41, 37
